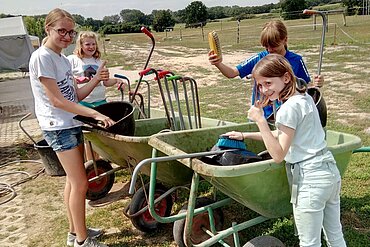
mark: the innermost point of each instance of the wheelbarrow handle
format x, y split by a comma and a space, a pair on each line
21, 127
362, 150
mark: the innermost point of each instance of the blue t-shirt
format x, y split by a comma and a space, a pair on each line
299, 69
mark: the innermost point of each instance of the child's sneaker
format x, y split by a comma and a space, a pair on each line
91, 232
89, 242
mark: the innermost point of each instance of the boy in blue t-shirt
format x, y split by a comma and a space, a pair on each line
274, 37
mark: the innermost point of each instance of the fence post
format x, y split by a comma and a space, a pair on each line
335, 34
238, 32
180, 34
327, 22
201, 24
314, 22
344, 19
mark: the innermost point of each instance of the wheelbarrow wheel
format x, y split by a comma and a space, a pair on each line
199, 221
264, 241
145, 222
99, 188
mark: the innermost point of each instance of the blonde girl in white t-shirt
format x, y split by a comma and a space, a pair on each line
56, 103
85, 61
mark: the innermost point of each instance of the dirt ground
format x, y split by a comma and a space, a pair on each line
25, 217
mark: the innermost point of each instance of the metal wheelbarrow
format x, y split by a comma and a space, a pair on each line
261, 186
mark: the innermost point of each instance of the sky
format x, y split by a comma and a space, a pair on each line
97, 9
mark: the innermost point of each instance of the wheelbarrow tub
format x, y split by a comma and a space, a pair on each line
261, 186
124, 150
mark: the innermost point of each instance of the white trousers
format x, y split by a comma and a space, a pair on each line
318, 205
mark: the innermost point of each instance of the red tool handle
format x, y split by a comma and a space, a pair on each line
310, 12
163, 73
146, 31
145, 71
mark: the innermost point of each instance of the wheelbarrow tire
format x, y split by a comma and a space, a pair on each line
99, 188
199, 221
145, 222
264, 241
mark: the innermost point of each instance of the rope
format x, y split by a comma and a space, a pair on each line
8, 190
350, 37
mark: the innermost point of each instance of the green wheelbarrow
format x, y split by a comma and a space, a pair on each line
261, 186
127, 152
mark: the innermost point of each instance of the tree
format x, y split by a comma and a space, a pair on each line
35, 26
162, 19
112, 19
292, 9
352, 6
133, 16
216, 13
196, 12
79, 19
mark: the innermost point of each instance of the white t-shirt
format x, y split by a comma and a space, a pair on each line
299, 112
46, 63
87, 67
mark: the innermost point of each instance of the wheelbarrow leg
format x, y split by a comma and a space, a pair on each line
190, 211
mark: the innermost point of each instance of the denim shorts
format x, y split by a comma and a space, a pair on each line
65, 139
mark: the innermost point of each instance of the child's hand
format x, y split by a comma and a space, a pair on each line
213, 58
318, 80
102, 73
121, 85
104, 120
234, 135
255, 113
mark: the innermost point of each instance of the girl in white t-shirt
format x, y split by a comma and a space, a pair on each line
298, 139
85, 61
56, 96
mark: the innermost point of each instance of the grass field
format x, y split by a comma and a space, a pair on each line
346, 67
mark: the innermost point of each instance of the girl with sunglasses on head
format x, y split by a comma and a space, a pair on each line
274, 38
56, 96
85, 61
298, 139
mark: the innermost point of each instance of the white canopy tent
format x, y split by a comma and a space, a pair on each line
15, 44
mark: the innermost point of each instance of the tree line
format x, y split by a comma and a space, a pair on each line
195, 14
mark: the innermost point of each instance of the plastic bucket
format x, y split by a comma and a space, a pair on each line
121, 112
49, 159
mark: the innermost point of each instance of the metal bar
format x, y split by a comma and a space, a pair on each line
227, 232
169, 158
100, 176
190, 211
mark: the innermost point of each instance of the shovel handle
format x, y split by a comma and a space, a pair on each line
324, 25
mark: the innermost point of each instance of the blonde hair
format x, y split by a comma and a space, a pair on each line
81, 37
275, 65
273, 33
54, 16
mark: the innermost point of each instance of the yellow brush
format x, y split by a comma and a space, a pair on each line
214, 43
